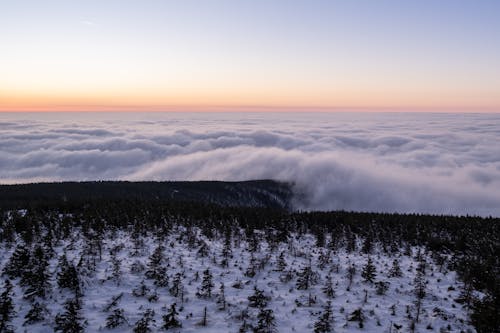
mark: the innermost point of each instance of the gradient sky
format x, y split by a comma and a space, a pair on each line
260, 54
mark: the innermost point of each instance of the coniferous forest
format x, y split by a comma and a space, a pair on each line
210, 262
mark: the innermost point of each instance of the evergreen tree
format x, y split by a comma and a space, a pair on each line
143, 325
36, 276
155, 269
170, 319
70, 320
369, 271
7, 312
18, 262
281, 263
266, 323
328, 288
324, 323
116, 319
206, 285
323, 259
420, 286
351, 271
258, 299
221, 298
68, 276
176, 286
367, 244
37, 313
358, 316
306, 278
116, 272
395, 270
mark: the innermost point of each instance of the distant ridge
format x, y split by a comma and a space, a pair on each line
254, 193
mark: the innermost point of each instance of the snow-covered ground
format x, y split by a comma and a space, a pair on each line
294, 310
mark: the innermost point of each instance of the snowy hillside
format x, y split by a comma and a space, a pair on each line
135, 276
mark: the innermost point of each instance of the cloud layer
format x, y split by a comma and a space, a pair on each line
433, 163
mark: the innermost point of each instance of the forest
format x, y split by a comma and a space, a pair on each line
148, 263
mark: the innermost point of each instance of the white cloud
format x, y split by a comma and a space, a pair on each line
437, 163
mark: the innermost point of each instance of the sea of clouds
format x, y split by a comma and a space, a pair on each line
431, 163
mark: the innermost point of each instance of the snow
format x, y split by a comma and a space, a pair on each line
440, 313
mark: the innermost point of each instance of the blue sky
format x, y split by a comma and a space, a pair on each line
319, 54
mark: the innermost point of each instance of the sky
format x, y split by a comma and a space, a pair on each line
124, 55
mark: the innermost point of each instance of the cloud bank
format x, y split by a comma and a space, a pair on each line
428, 163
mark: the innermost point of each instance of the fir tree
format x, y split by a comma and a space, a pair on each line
68, 276
281, 263
306, 278
7, 312
266, 323
155, 269
170, 319
18, 262
395, 270
323, 259
36, 276
324, 323
358, 316
116, 319
328, 288
258, 299
221, 298
37, 313
176, 286
205, 290
143, 325
351, 272
70, 320
369, 271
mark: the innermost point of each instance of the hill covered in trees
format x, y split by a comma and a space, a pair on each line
256, 193
144, 263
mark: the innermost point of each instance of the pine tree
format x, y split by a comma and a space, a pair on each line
221, 298
206, 285
18, 262
369, 271
36, 276
395, 270
323, 259
155, 269
351, 271
70, 320
176, 286
420, 286
68, 276
324, 323
258, 299
306, 278
367, 244
7, 312
281, 263
116, 273
143, 325
266, 323
328, 287
358, 315
170, 319
116, 319
37, 313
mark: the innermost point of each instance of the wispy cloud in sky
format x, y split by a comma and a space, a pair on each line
438, 163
